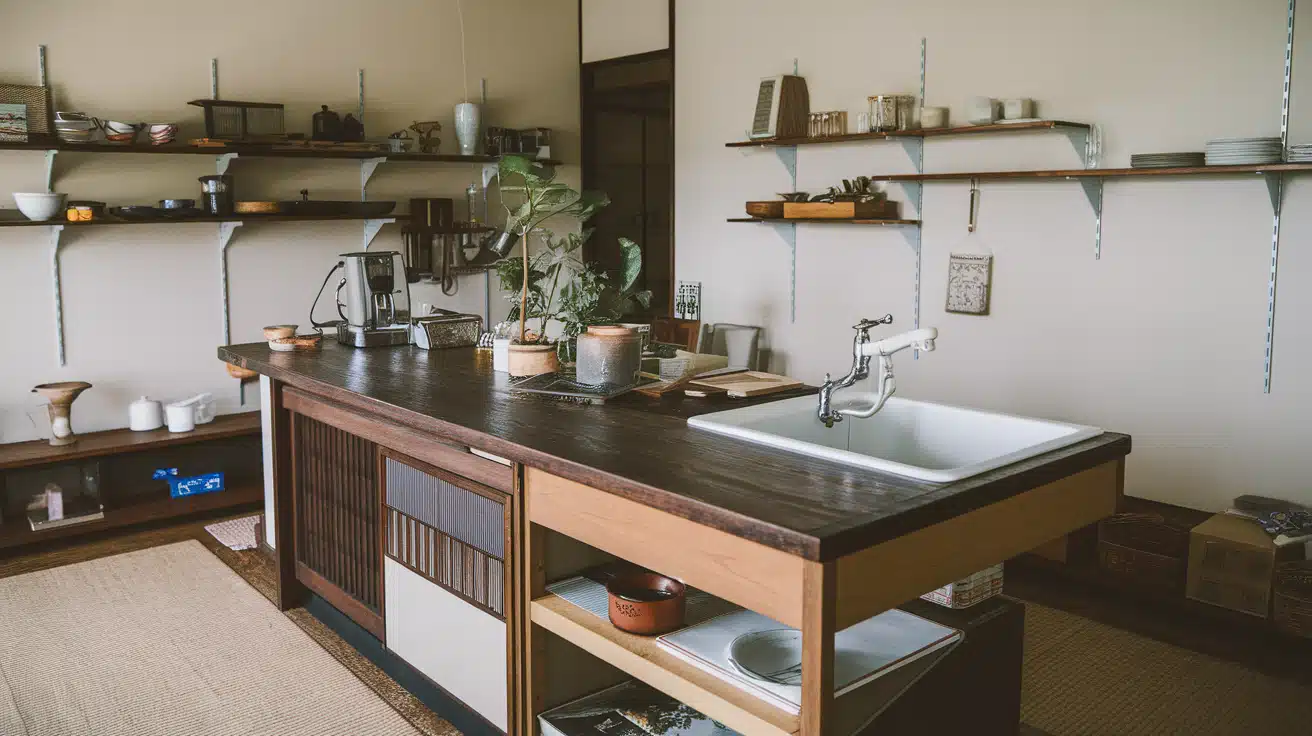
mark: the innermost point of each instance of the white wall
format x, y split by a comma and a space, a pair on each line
1162, 339
141, 304
613, 28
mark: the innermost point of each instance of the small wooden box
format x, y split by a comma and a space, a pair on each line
885, 210
766, 210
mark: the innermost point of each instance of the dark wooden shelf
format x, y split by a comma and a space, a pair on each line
921, 133
114, 441
252, 151
11, 218
822, 220
17, 532
1104, 173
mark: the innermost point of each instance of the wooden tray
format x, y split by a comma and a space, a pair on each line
742, 385
770, 209
885, 210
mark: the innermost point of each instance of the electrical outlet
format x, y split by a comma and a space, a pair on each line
688, 300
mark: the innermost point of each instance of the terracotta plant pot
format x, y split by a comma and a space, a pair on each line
646, 603
531, 360
61, 396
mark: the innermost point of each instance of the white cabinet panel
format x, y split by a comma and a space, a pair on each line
456, 645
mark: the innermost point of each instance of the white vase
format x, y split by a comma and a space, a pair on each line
467, 128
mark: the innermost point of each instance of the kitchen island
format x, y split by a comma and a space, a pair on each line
366, 443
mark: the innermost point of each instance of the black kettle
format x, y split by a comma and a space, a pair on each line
327, 125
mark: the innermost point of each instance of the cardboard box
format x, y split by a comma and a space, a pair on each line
1231, 563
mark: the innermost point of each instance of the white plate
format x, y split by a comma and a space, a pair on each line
1012, 121
774, 655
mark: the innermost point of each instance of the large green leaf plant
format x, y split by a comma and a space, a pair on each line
555, 283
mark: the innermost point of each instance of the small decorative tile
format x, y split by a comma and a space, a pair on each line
969, 282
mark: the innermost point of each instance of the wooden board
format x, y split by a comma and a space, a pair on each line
840, 210
745, 384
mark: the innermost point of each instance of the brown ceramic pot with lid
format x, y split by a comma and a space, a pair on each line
609, 354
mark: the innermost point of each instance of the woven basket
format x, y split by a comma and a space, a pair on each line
1293, 597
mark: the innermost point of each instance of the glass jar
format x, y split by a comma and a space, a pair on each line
883, 113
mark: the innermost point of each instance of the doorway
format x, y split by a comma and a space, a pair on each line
628, 153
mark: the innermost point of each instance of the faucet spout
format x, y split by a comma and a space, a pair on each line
863, 351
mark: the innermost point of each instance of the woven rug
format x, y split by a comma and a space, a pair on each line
1083, 678
235, 534
168, 641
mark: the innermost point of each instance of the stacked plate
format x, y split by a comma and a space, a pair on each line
1237, 151
1167, 160
1300, 153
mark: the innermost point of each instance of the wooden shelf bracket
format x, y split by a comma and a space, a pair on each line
226, 230
56, 231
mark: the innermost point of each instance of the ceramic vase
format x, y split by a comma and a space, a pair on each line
531, 360
61, 396
467, 119
608, 354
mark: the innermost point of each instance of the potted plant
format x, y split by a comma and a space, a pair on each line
587, 296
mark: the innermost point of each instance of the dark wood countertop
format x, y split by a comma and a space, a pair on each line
641, 448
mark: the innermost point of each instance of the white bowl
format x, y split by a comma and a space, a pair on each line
39, 206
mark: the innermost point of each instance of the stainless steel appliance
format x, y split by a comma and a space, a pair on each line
376, 309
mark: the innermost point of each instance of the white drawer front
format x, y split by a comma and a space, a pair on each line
456, 645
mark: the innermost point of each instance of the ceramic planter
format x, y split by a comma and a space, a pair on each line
531, 360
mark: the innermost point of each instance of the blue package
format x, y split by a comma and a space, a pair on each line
194, 485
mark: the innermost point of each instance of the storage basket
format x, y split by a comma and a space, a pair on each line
1293, 598
242, 121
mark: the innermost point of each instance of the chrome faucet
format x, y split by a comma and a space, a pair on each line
862, 351
860, 369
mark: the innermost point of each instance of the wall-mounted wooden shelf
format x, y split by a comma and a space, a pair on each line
244, 151
921, 133
821, 220
1103, 173
10, 218
114, 441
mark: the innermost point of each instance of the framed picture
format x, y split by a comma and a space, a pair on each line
13, 123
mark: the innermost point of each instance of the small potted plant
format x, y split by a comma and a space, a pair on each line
557, 272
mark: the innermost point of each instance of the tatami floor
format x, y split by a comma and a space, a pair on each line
1094, 668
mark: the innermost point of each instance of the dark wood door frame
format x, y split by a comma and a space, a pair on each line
585, 132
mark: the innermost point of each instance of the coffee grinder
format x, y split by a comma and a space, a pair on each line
376, 310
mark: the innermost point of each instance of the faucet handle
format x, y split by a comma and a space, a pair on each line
866, 324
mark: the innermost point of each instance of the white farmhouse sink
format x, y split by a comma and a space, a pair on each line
915, 439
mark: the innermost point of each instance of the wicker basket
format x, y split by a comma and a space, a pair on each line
1144, 550
1293, 598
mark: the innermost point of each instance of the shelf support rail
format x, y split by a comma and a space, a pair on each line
50, 168
915, 235
55, 244
371, 228
788, 157
1275, 186
226, 230
222, 161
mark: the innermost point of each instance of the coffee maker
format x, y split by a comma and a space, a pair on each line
376, 310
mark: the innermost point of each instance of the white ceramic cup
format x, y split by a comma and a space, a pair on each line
145, 414
981, 110
933, 117
181, 416
1017, 108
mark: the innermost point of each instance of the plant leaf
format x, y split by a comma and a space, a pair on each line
631, 264
643, 297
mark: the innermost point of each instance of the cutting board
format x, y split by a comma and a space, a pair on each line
742, 385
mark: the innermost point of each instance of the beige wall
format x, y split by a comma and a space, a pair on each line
1163, 338
142, 311
613, 28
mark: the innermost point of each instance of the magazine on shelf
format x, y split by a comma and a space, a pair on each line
629, 709
862, 652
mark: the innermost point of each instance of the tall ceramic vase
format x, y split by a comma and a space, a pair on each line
467, 119
61, 396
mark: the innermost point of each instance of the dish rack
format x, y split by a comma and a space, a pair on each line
243, 121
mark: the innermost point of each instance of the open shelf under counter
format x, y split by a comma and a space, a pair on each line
919, 133
822, 220
640, 657
135, 511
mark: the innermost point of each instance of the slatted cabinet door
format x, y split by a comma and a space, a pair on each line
335, 480
447, 587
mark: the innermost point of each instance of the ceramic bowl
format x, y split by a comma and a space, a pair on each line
646, 603
276, 332
161, 133
39, 206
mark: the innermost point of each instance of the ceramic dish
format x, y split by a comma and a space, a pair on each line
774, 655
275, 332
296, 343
645, 603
